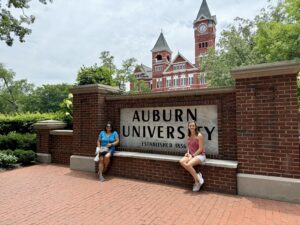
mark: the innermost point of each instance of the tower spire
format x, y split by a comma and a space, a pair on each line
161, 44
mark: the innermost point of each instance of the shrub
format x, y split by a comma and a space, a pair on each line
22, 123
15, 140
7, 160
24, 157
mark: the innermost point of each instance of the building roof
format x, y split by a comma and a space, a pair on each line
184, 60
204, 12
147, 70
161, 44
143, 71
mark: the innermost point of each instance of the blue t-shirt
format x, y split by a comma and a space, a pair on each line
105, 139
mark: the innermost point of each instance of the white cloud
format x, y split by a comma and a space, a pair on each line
67, 35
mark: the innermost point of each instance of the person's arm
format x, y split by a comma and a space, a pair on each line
98, 142
116, 142
201, 143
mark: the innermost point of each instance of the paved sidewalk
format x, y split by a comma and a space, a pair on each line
53, 194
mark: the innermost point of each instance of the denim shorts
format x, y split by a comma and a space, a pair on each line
102, 154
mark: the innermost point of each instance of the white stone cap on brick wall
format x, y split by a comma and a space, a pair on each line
49, 124
173, 158
94, 88
62, 132
267, 69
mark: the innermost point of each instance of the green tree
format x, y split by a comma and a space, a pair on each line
107, 60
12, 93
46, 98
12, 25
278, 32
125, 74
272, 36
95, 75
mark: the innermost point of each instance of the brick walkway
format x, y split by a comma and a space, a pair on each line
53, 194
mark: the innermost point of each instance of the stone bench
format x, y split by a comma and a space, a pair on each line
219, 175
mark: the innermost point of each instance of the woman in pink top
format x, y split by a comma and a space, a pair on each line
195, 154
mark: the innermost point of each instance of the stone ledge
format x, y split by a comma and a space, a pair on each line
267, 69
62, 132
171, 158
204, 91
43, 158
82, 163
94, 88
49, 125
270, 187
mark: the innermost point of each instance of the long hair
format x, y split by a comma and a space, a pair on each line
196, 128
112, 128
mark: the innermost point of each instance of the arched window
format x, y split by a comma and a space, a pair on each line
158, 58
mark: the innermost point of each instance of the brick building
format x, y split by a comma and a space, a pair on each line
178, 73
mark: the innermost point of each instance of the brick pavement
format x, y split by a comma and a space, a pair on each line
53, 194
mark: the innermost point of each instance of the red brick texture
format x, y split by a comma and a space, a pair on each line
216, 179
43, 141
61, 148
89, 118
267, 126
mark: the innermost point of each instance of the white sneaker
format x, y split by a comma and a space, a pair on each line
101, 178
201, 180
196, 187
96, 159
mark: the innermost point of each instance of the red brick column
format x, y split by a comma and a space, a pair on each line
43, 133
90, 114
267, 119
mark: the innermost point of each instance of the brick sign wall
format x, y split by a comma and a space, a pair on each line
222, 99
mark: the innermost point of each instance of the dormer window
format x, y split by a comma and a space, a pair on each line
179, 66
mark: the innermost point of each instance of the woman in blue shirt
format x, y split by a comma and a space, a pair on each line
107, 140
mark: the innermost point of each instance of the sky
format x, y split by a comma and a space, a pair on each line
68, 34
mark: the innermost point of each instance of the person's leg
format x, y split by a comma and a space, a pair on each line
189, 166
106, 161
183, 161
101, 165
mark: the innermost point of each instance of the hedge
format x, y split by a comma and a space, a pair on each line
7, 160
22, 123
24, 157
15, 140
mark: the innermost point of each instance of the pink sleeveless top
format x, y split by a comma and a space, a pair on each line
193, 145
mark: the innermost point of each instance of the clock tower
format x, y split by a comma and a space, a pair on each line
204, 31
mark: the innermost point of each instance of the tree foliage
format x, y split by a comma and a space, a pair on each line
125, 73
46, 98
18, 96
12, 93
273, 35
14, 21
95, 75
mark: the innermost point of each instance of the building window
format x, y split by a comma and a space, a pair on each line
203, 45
191, 77
158, 68
179, 67
202, 78
175, 81
158, 83
168, 82
182, 80
158, 58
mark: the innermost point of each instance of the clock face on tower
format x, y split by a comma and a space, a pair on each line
202, 28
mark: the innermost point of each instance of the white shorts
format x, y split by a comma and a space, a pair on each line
202, 158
